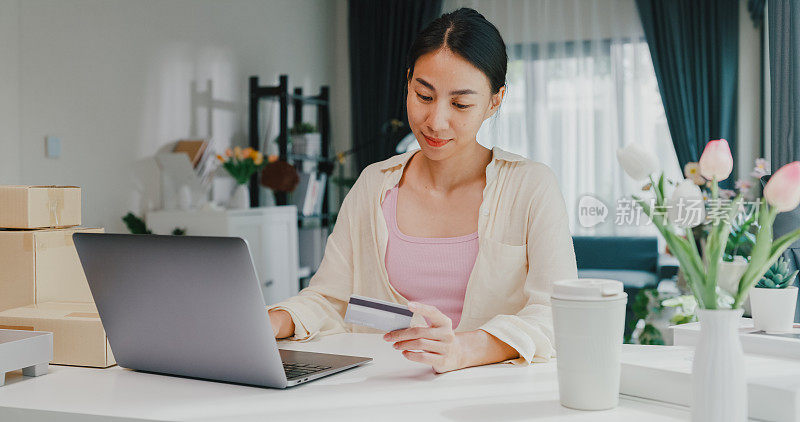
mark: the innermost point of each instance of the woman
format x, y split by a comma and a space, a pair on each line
470, 239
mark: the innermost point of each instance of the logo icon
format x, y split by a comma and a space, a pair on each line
591, 211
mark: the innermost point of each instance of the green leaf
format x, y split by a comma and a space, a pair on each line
679, 319
689, 262
640, 305
650, 335
783, 242
687, 255
760, 257
791, 277
715, 247
658, 192
135, 224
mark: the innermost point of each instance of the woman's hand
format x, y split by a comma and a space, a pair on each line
438, 344
282, 324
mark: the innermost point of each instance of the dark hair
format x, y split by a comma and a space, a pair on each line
467, 33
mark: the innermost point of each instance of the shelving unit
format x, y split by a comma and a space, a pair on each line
281, 93
296, 100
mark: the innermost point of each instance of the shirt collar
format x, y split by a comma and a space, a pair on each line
402, 159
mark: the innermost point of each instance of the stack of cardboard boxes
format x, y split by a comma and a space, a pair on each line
42, 284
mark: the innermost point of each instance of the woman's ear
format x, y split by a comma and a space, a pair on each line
494, 102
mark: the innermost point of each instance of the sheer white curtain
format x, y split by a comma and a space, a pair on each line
580, 85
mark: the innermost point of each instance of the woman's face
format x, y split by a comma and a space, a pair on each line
448, 100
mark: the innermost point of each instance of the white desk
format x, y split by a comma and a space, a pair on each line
389, 388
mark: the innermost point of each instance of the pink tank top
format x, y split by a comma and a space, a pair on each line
428, 270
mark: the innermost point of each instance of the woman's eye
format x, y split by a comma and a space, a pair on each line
461, 106
424, 98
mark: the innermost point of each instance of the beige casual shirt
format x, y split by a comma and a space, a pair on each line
524, 245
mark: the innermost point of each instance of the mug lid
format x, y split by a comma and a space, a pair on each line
588, 289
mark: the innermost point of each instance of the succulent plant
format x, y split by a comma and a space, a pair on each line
777, 276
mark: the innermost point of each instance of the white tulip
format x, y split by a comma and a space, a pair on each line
638, 162
685, 207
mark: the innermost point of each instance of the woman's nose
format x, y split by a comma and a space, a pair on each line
437, 119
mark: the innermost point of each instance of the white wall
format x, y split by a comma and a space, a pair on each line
113, 80
9, 92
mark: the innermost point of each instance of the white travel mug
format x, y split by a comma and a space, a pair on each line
589, 321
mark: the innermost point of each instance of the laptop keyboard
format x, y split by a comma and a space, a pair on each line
297, 370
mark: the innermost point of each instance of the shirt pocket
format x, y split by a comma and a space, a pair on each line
502, 271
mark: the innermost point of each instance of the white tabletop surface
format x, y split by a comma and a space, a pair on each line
389, 388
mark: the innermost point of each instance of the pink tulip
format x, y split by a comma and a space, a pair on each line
783, 188
716, 161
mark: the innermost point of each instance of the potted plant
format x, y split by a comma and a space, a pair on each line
241, 164
774, 299
718, 378
743, 226
306, 140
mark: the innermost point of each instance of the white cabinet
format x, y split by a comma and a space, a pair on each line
271, 233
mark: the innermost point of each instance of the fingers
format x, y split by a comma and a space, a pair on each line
439, 333
282, 323
422, 344
432, 313
427, 358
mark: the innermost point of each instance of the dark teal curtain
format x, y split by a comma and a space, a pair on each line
381, 33
695, 49
784, 76
784, 73
756, 10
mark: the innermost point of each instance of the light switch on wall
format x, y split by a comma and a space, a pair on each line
52, 147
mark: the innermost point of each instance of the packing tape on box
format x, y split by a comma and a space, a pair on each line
16, 327
55, 200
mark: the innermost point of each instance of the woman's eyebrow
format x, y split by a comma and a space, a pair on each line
456, 92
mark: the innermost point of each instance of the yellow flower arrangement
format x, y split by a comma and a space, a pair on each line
241, 163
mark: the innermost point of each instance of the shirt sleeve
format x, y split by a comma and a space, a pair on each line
551, 257
319, 308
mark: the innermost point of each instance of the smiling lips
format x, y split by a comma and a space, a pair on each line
435, 142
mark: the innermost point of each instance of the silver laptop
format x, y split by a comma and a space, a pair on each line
192, 306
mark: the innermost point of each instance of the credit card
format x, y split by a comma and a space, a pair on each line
377, 314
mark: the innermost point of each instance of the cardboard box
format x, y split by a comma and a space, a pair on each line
41, 266
33, 207
193, 148
78, 335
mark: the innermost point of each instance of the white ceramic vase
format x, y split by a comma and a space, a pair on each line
719, 385
773, 309
240, 198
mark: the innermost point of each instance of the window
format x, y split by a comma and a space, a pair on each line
571, 105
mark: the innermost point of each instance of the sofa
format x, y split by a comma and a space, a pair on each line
635, 261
